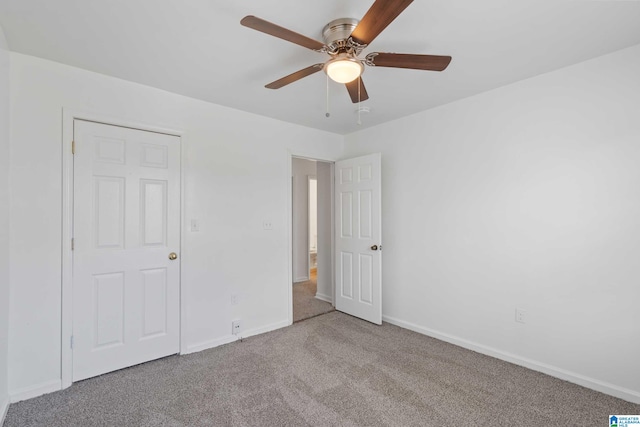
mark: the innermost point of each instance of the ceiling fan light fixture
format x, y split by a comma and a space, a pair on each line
345, 39
344, 69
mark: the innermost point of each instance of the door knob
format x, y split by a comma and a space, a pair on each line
374, 247
173, 256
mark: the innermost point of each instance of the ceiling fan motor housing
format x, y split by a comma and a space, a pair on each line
336, 34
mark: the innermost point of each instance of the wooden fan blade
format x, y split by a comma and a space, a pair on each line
295, 76
406, 60
377, 18
352, 87
280, 32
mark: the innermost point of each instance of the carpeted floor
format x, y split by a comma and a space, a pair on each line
332, 370
305, 303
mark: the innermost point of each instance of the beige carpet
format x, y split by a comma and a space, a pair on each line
305, 304
332, 370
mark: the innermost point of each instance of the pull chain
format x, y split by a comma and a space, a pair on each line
327, 114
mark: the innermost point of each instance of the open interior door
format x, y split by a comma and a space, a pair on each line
358, 237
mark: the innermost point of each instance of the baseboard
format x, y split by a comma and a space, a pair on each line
35, 391
326, 298
572, 377
263, 329
4, 408
301, 279
205, 345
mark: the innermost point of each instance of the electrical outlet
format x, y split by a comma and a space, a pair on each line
267, 224
236, 327
234, 299
521, 315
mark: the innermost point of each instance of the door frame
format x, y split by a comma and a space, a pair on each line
296, 155
68, 117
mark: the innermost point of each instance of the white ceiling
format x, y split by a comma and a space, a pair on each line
198, 48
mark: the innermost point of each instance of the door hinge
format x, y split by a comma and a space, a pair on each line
73, 147
71, 342
72, 243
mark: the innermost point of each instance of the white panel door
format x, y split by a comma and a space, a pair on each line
126, 217
359, 237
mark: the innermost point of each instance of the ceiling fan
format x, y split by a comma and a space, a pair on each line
344, 40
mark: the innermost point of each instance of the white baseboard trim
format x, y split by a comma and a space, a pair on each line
326, 298
263, 329
205, 345
35, 391
4, 408
301, 279
597, 385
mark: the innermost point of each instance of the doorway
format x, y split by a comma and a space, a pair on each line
312, 237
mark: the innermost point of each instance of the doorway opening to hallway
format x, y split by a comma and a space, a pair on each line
312, 232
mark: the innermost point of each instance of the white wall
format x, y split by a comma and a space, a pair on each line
325, 214
235, 178
4, 222
526, 196
301, 169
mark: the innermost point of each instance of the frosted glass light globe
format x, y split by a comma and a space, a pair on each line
344, 70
